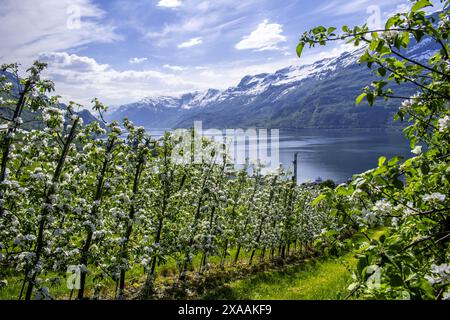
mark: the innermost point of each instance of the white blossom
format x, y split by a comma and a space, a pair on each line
444, 124
8, 85
98, 234
382, 206
406, 105
417, 150
395, 222
439, 274
18, 120
446, 295
29, 237
435, 197
89, 224
390, 35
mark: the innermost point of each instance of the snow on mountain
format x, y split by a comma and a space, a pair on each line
198, 99
295, 96
249, 86
186, 101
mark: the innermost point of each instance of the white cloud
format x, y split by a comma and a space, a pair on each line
265, 37
189, 25
137, 60
204, 6
191, 43
174, 68
29, 28
80, 78
169, 3
65, 61
202, 18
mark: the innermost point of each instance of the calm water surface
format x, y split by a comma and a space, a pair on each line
336, 154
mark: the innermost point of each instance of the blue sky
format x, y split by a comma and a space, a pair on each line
121, 51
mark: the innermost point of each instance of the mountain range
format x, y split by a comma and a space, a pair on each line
319, 95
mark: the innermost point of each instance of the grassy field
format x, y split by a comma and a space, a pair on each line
311, 279
318, 279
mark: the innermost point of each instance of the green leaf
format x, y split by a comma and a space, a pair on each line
374, 44
394, 161
405, 39
362, 264
381, 161
318, 199
300, 47
391, 22
319, 29
420, 5
360, 98
343, 191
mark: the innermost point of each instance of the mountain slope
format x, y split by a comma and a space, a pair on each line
320, 95
164, 112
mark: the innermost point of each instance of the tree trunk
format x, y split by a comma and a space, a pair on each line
97, 197
45, 210
129, 230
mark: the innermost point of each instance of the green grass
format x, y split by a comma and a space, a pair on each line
319, 279
134, 278
314, 279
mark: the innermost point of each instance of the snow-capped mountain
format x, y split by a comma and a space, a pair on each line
163, 111
321, 94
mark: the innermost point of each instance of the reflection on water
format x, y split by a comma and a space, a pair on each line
336, 154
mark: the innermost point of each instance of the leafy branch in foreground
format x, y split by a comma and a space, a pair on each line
409, 199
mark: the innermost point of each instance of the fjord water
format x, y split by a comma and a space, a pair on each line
336, 154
